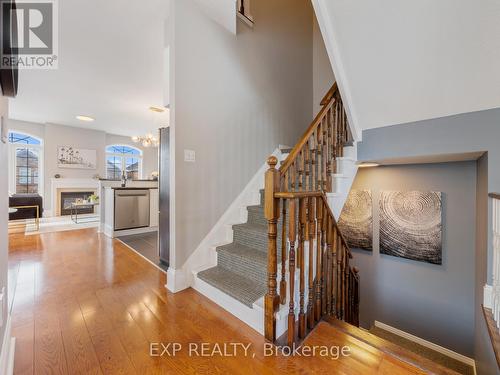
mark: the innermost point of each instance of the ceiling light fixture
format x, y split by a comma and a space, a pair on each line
368, 165
85, 118
149, 140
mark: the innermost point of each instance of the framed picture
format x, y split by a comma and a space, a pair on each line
77, 158
411, 225
356, 220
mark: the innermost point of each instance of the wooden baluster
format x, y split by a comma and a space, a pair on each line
339, 129
291, 270
286, 181
307, 168
312, 234
319, 239
329, 152
292, 177
320, 157
342, 129
334, 270
302, 223
356, 296
349, 295
328, 268
346, 274
323, 260
342, 277
313, 160
300, 163
272, 212
334, 139
325, 155
283, 255
339, 282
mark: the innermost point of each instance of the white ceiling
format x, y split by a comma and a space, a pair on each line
405, 61
110, 68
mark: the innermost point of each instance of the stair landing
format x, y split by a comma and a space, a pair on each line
361, 338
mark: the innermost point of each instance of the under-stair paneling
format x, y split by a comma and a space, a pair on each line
234, 99
434, 302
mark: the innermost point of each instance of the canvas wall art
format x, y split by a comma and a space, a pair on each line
70, 157
411, 225
356, 220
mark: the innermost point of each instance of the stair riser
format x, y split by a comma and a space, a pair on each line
254, 239
256, 217
251, 270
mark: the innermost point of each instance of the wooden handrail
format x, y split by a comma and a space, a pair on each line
329, 95
310, 130
494, 195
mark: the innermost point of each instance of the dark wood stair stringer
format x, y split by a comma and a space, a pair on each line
389, 348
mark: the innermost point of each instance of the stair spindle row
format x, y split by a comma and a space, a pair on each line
316, 277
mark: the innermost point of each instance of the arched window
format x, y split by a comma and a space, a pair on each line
122, 158
26, 154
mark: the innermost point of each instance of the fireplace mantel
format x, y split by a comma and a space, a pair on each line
73, 184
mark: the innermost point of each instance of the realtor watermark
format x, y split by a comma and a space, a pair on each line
238, 349
29, 37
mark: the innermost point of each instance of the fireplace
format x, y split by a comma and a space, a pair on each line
70, 197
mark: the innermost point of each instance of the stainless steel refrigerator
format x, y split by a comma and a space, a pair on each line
164, 189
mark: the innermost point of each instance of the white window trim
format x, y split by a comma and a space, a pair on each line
125, 156
12, 162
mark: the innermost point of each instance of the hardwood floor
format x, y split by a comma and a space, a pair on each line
86, 304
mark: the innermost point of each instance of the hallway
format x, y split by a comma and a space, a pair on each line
86, 304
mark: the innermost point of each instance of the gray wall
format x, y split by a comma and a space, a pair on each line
60, 135
234, 99
4, 203
434, 302
470, 132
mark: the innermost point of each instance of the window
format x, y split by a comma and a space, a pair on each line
25, 164
123, 158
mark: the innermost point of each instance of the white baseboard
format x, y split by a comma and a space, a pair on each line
176, 280
8, 350
427, 344
487, 296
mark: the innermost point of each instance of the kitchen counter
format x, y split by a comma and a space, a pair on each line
131, 209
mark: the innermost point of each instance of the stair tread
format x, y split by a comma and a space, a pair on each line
243, 251
252, 227
255, 208
243, 289
389, 348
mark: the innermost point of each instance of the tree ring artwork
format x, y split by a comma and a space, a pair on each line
411, 225
356, 220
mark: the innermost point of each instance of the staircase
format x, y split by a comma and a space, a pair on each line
237, 278
241, 269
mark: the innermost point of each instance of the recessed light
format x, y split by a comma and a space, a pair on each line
155, 108
368, 165
85, 118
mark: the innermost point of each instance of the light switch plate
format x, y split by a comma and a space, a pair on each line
189, 156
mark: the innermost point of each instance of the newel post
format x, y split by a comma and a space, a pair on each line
272, 212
